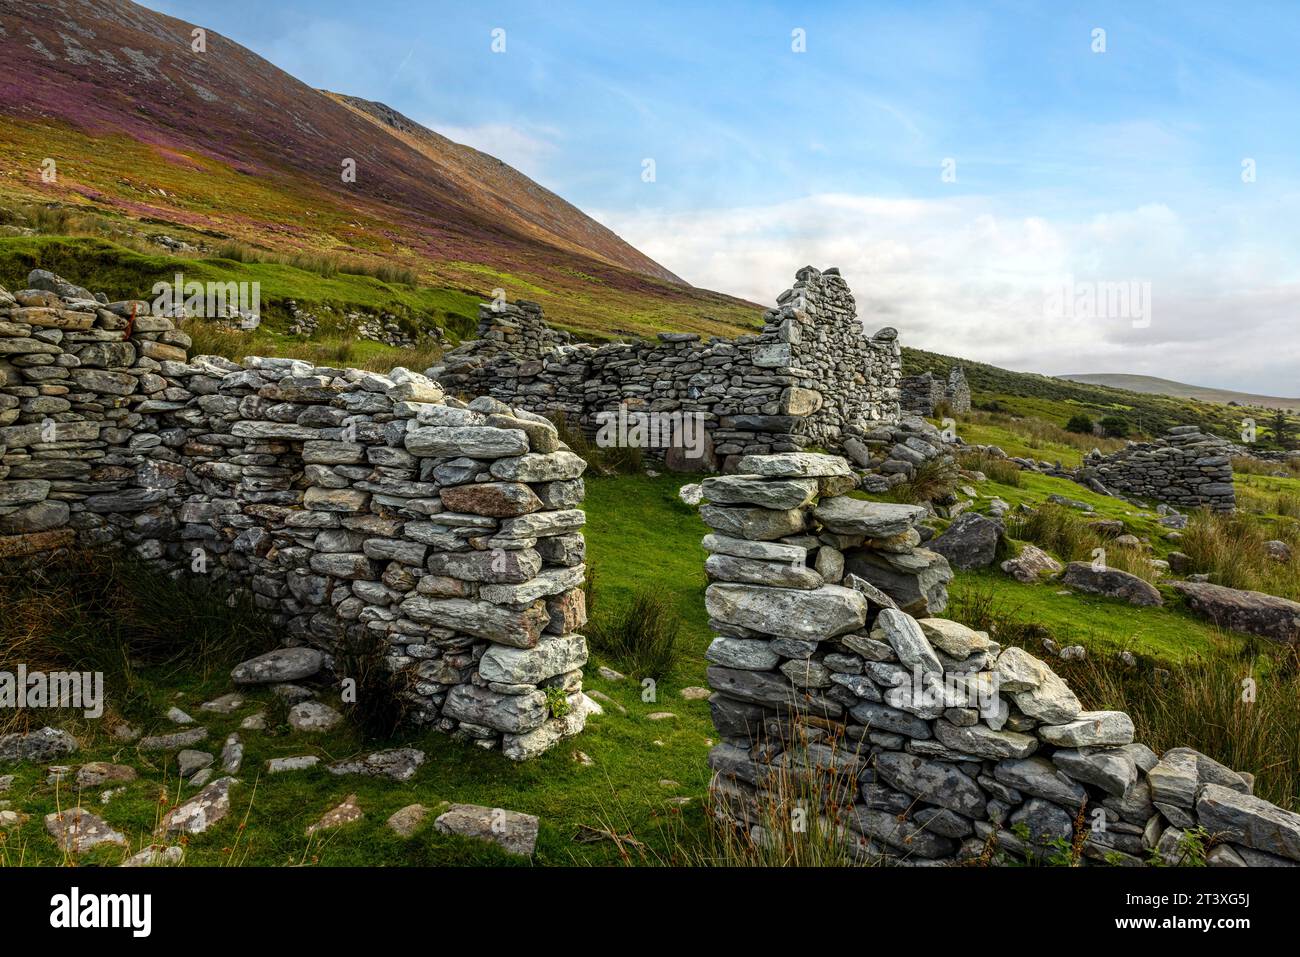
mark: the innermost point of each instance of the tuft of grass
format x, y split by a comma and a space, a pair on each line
800, 816
1240, 707
210, 338
106, 612
614, 460
641, 636
378, 704
1069, 535
1002, 471
1230, 549
1249, 465
931, 480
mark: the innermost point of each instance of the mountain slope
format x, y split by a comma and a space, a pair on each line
1157, 386
503, 191
226, 145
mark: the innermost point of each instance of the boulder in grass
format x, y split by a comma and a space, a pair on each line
283, 664
1112, 583
971, 541
76, 831
1252, 612
513, 832
1031, 564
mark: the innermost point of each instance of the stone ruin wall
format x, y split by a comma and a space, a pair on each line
1186, 469
357, 508
923, 394
810, 378
917, 740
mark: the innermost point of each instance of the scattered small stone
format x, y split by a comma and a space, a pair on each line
345, 813
583, 758
201, 811
660, 715
173, 741
43, 745
609, 674
56, 774
190, 761
177, 716
226, 704
407, 821
292, 694
283, 664
77, 830
200, 778
121, 731
296, 763
6, 782
156, 855
607, 700
254, 722
696, 694
398, 764
101, 772
11, 819
313, 716
232, 754
106, 796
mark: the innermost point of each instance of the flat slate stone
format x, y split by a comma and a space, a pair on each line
851, 516
76, 831
512, 831
397, 764
283, 664
793, 465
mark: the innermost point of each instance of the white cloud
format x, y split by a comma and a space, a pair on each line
526, 151
964, 278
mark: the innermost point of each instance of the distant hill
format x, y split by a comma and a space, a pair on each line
1157, 386
1056, 399
220, 146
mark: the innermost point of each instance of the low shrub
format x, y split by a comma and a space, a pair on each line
106, 612
1081, 424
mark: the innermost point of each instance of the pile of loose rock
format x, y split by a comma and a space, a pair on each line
360, 509
917, 739
890, 454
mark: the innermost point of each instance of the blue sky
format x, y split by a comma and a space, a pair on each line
1105, 167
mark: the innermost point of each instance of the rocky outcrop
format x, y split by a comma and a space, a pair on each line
927, 743
357, 509
1252, 612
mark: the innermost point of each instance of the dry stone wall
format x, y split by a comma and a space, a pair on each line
1186, 469
360, 509
924, 394
918, 740
810, 378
